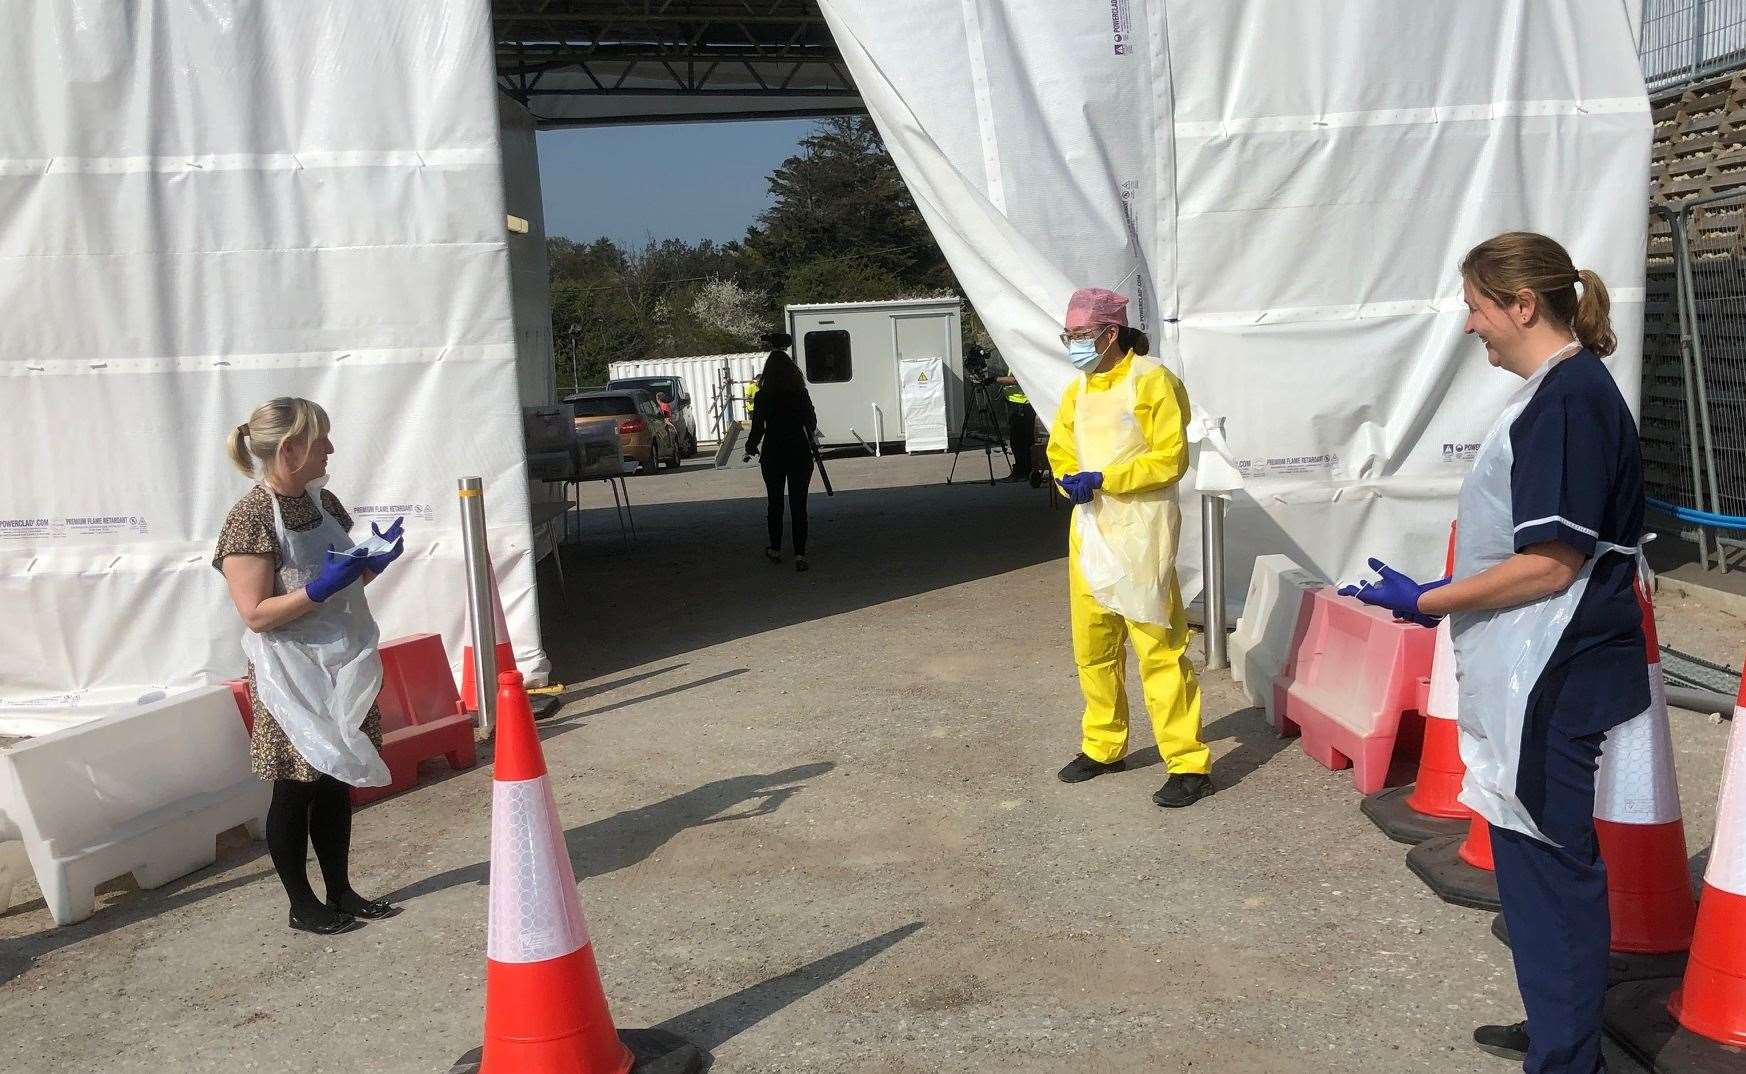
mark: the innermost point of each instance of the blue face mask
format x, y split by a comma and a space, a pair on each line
1083, 354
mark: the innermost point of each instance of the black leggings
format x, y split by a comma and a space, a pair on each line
318, 813
790, 467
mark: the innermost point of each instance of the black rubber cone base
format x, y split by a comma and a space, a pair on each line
1402, 823
1438, 863
656, 1050
1637, 1017
1622, 966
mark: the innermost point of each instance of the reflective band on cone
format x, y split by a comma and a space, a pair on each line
1440, 769
1713, 1002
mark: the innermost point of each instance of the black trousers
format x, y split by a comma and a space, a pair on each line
1021, 429
786, 468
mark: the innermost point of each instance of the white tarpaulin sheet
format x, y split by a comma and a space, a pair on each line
922, 394
1284, 188
203, 206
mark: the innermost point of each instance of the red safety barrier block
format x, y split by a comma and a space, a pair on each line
239, 689
421, 714
1355, 688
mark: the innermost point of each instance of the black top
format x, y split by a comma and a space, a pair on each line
782, 418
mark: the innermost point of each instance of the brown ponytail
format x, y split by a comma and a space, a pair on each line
1593, 322
1523, 260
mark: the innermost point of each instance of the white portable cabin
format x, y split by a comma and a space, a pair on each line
849, 352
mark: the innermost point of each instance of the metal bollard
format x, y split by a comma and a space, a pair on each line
1212, 564
479, 606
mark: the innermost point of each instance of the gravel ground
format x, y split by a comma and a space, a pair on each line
817, 828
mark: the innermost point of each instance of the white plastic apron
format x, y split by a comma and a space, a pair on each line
1500, 655
319, 674
1127, 543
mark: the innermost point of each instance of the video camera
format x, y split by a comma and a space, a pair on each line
976, 369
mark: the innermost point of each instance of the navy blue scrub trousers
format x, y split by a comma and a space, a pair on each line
1555, 902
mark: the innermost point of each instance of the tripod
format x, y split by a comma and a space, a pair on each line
980, 404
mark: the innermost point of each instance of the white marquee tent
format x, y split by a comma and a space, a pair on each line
202, 206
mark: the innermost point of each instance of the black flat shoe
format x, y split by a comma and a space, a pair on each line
772, 555
1082, 768
324, 922
358, 906
1505, 1042
1183, 789
800, 564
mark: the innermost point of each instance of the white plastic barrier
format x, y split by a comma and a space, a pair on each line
1262, 643
146, 792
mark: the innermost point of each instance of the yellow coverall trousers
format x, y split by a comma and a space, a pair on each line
1166, 679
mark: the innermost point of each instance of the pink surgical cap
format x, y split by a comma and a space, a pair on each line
1092, 306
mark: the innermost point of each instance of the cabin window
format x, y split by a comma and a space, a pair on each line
827, 357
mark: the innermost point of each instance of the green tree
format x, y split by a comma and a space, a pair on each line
841, 201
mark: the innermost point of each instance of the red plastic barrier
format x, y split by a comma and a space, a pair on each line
239, 689
1356, 687
422, 716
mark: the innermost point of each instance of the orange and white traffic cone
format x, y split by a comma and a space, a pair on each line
504, 650
545, 1010
1701, 1027
1458, 868
1429, 807
1642, 836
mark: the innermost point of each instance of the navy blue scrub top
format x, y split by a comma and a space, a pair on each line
1577, 478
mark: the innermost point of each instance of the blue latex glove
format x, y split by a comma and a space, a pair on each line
1396, 592
1079, 487
339, 571
378, 563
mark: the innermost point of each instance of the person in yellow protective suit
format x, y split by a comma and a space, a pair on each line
1117, 448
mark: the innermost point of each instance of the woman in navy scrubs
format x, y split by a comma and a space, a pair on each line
1548, 635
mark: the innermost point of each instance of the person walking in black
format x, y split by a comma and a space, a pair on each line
784, 425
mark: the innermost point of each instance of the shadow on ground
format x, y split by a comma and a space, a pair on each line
624, 839
696, 575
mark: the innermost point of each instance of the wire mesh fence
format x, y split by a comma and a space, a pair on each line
1716, 241
1697, 406
1684, 40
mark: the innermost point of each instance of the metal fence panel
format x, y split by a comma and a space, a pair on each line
1685, 40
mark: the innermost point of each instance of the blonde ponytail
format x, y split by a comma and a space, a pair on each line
272, 426
1593, 322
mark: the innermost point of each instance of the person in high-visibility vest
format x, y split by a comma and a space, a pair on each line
1021, 426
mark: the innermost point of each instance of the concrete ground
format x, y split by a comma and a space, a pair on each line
816, 826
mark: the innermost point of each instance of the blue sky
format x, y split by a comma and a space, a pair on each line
684, 180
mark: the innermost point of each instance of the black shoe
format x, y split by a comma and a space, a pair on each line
1183, 789
1505, 1042
323, 921
800, 564
1082, 768
1017, 476
773, 555
358, 906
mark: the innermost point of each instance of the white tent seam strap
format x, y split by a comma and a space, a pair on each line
457, 157
1441, 304
1392, 117
489, 244
473, 352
